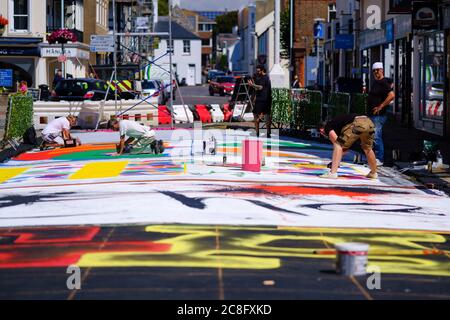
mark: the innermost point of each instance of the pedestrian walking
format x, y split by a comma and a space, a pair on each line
343, 131
58, 77
381, 94
296, 84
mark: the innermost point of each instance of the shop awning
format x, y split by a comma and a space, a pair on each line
19, 41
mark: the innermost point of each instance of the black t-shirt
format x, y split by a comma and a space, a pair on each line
338, 123
265, 95
377, 94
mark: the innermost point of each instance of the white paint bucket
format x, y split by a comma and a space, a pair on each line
351, 258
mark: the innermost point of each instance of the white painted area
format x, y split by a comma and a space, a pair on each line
214, 194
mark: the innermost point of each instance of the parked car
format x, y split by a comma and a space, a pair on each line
80, 90
222, 85
150, 87
213, 74
435, 91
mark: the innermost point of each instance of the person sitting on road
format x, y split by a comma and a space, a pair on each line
141, 139
58, 131
343, 131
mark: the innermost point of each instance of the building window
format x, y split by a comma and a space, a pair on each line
20, 15
205, 42
168, 45
186, 47
432, 76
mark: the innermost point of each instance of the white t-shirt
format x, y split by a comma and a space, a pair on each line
133, 129
56, 126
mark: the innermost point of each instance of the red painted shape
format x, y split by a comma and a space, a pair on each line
164, 116
60, 247
204, 114
293, 190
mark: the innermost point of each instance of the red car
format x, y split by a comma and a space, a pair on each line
222, 85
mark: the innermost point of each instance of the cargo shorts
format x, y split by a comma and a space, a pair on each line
362, 128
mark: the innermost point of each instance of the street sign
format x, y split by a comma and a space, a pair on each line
6, 78
62, 58
319, 30
102, 43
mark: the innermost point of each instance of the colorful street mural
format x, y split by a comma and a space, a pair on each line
227, 247
89, 185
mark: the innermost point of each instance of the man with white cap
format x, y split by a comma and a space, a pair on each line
381, 94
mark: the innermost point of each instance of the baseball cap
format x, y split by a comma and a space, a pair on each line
377, 65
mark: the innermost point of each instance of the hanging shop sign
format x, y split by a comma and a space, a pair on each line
400, 7
55, 52
425, 15
402, 26
344, 41
375, 37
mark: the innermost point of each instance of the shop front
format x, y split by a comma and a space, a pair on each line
429, 68
403, 69
446, 26
75, 60
377, 45
19, 58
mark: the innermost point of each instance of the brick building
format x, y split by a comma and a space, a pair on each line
305, 12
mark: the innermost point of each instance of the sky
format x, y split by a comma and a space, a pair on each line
212, 5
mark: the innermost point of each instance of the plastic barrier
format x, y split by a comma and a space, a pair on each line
182, 114
338, 103
216, 113
306, 108
227, 113
164, 116
44, 112
203, 113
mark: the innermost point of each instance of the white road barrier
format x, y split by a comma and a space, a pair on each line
216, 113
44, 112
182, 114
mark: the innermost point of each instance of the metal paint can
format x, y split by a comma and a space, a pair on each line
351, 258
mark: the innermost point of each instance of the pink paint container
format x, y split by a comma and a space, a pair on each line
351, 258
252, 152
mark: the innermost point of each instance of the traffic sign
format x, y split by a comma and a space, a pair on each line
62, 58
102, 43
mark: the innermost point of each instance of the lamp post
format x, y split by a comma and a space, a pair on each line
63, 63
277, 72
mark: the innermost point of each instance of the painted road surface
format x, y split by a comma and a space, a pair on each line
185, 225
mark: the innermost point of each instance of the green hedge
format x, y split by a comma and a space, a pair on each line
281, 107
19, 116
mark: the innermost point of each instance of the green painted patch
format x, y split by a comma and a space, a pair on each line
103, 155
281, 144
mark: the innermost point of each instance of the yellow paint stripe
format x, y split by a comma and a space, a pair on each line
100, 170
8, 173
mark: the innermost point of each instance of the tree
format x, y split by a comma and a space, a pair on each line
285, 34
226, 22
163, 7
